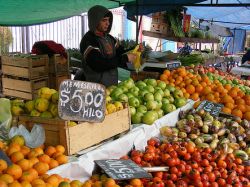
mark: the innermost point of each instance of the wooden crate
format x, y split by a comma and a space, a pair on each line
55, 80
25, 89
58, 65
144, 75
83, 135
26, 66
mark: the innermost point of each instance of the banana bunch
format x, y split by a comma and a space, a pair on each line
137, 62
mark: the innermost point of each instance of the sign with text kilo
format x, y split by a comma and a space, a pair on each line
211, 107
81, 101
122, 169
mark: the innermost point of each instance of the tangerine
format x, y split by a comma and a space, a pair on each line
14, 170
237, 112
16, 156
3, 165
41, 168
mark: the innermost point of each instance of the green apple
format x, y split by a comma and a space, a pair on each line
150, 117
134, 90
166, 93
141, 109
136, 118
160, 91
143, 92
165, 101
111, 88
148, 97
134, 102
157, 96
170, 88
116, 92
124, 89
159, 104
149, 88
151, 105
145, 80
179, 102
177, 94
123, 97
160, 113
129, 83
152, 82
140, 84
170, 98
162, 85
168, 108
130, 95
132, 110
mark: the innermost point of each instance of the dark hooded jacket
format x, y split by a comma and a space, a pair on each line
101, 54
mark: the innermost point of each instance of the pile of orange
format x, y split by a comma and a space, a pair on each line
196, 86
31, 164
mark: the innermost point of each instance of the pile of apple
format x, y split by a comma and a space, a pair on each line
149, 99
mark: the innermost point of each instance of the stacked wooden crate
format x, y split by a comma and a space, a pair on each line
1, 86
58, 70
24, 74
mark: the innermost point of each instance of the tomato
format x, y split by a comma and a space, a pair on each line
158, 174
152, 141
182, 151
206, 184
158, 184
135, 153
148, 157
194, 174
136, 159
174, 170
150, 149
207, 150
181, 167
190, 147
197, 183
194, 165
164, 157
208, 169
173, 177
222, 164
213, 164
214, 184
187, 156
211, 177
196, 156
221, 182
181, 183
171, 162
204, 163
204, 177
169, 182
156, 179
238, 161
173, 154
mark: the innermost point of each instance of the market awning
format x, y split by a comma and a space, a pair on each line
28, 12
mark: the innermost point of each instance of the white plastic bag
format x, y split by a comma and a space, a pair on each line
33, 139
5, 118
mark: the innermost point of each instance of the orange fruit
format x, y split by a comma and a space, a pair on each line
232, 93
190, 89
16, 156
163, 77
52, 180
44, 158
206, 90
61, 159
13, 147
25, 150
39, 150
226, 110
33, 172
75, 183
15, 184
64, 184
229, 105
50, 150
97, 184
24, 164
237, 112
135, 182
241, 107
198, 88
109, 182
60, 149
37, 181
6, 178
227, 87
247, 115
44, 177
194, 96
3, 165
210, 97
26, 184
196, 104
166, 72
33, 161
32, 153
240, 101
3, 184
41, 168
53, 163
26, 176
14, 170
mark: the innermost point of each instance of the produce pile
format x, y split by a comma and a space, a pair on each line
148, 99
207, 131
196, 85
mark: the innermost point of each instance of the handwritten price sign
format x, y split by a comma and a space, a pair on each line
122, 169
81, 101
211, 107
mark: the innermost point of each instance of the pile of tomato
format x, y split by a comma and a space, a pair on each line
191, 166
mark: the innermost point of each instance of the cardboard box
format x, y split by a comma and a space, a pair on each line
83, 135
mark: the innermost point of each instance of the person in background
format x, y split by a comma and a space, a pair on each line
246, 58
101, 53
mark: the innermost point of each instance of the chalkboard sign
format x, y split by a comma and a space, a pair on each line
81, 101
3, 156
122, 169
211, 107
171, 66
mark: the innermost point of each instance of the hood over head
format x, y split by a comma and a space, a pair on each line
95, 15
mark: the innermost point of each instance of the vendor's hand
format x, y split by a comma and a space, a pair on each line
131, 57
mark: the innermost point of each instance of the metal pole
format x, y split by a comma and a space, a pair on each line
27, 39
83, 25
23, 40
137, 24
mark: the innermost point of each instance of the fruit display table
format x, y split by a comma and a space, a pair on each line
83, 166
